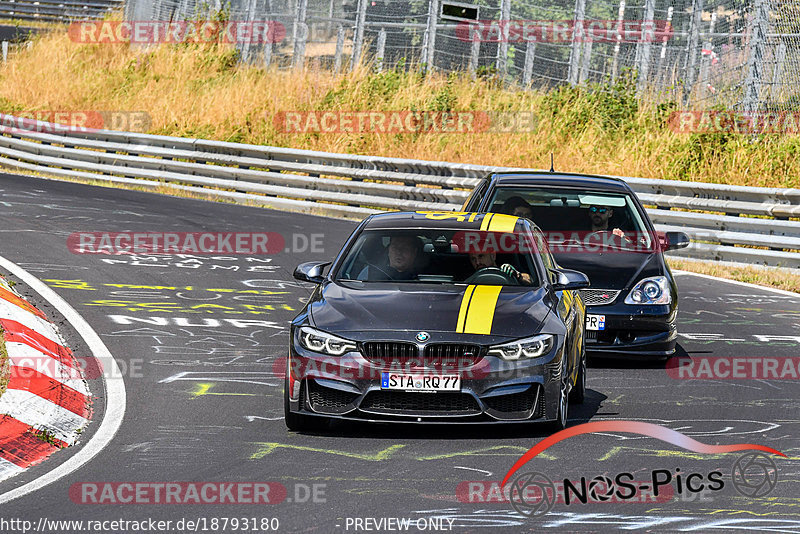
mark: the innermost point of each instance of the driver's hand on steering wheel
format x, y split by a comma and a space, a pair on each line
628, 240
509, 269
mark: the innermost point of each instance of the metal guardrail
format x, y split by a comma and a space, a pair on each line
746, 224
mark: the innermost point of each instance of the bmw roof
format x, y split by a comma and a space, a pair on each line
557, 179
455, 220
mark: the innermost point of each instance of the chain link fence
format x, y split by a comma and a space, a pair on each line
740, 54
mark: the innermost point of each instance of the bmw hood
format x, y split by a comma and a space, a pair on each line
612, 269
481, 314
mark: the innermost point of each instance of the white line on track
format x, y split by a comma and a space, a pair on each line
115, 388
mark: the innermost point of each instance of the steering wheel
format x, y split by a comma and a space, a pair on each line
491, 276
606, 237
388, 276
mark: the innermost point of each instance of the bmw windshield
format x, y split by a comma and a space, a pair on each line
441, 256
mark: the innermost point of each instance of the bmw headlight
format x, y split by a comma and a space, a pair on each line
530, 347
322, 342
654, 290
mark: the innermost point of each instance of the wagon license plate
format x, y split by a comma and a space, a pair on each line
595, 322
409, 382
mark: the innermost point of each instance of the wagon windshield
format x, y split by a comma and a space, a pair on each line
578, 217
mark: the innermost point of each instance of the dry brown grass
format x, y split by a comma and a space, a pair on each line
777, 278
201, 91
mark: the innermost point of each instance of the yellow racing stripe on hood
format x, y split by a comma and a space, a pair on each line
477, 309
462, 312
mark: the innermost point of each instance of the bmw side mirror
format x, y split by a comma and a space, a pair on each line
311, 271
568, 279
676, 240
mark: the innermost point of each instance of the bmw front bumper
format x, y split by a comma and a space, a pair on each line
492, 390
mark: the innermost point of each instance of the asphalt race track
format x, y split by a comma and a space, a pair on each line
204, 392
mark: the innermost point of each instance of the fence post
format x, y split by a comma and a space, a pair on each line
586, 57
474, 53
502, 46
577, 39
381, 51
330, 21
5, 51
251, 14
430, 35
358, 39
708, 55
337, 57
777, 72
646, 42
267, 48
267, 53
527, 71
618, 38
663, 54
691, 50
301, 34
755, 57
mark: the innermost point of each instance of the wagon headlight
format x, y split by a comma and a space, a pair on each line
322, 342
654, 290
531, 347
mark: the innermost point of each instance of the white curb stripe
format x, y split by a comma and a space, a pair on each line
26, 357
42, 414
26, 318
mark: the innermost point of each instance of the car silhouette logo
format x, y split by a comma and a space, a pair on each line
423, 336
